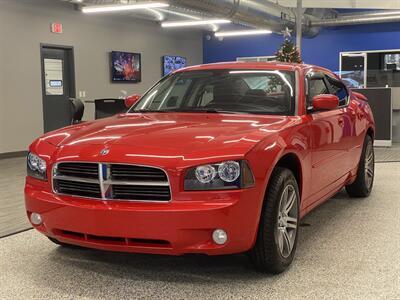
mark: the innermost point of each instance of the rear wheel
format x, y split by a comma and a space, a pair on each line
277, 234
362, 186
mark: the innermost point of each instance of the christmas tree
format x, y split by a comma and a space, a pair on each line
288, 52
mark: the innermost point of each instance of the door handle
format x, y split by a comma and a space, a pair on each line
341, 122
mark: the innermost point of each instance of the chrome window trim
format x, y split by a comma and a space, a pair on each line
108, 181
297, 87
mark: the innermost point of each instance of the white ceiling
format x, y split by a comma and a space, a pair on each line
370, 4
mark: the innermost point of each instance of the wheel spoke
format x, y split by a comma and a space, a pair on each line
291, 222
284, 200
369, 171
280, 238
290, 202
370, 157
288, 243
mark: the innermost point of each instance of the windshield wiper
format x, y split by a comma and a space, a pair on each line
209, 110
150, 111
217, 111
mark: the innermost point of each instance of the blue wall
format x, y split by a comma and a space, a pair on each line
322, 50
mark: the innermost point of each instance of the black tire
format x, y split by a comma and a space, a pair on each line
266, 254
362, 186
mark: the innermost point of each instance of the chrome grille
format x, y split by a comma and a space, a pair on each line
111, 181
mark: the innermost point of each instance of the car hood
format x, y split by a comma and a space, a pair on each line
188, 134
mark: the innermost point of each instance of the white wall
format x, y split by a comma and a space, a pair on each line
24, 24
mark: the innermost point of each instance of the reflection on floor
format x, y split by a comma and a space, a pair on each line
350, 250
12, 207
388, 154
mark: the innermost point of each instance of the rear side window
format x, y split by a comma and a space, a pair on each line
337, 88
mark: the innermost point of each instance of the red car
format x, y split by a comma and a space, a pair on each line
213, 159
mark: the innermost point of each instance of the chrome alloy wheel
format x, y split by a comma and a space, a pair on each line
286, 229
369, 165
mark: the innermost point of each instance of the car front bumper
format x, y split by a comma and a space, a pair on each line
175, 228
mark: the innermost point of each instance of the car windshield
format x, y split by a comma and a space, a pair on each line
222, 91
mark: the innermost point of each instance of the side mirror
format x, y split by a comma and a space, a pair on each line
131, 100
325, 102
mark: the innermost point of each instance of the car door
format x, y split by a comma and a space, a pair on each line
329, 155
348, 120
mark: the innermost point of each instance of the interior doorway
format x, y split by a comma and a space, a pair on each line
58, 85
353, 69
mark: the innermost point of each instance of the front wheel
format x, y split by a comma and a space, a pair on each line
277, 233
362, 186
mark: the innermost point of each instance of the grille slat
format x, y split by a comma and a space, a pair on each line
138, 187
127, 172
136, 176
125, 192
66, 185
126, 182
83, 170
77, 188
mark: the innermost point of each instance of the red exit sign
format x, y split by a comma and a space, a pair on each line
56, 27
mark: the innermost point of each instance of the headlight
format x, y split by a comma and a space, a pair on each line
36, 166
219, 176
205, 174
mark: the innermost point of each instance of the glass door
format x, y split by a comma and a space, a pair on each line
353, 69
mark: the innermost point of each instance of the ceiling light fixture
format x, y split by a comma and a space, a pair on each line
115, 8
194, 23
242, 32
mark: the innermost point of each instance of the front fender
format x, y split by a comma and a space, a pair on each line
265, 156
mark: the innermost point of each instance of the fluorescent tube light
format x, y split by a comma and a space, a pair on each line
194, 23
114, 8
241, 32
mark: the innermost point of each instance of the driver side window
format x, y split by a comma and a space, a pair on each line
339, 90
316, 86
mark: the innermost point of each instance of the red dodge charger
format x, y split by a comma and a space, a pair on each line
213, 159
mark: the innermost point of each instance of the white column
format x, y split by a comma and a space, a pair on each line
299, 17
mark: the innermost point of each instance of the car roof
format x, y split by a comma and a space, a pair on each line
250, 65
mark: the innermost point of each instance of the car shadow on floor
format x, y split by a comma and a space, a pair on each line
199, 269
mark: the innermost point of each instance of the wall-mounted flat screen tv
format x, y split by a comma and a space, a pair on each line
171, 63
126, 67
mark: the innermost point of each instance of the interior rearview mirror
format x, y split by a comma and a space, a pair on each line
325, 102
131, 100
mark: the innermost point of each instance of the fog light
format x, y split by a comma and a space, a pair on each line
219, 236
36, 219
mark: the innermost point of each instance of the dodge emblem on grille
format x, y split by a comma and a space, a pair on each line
105, 151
